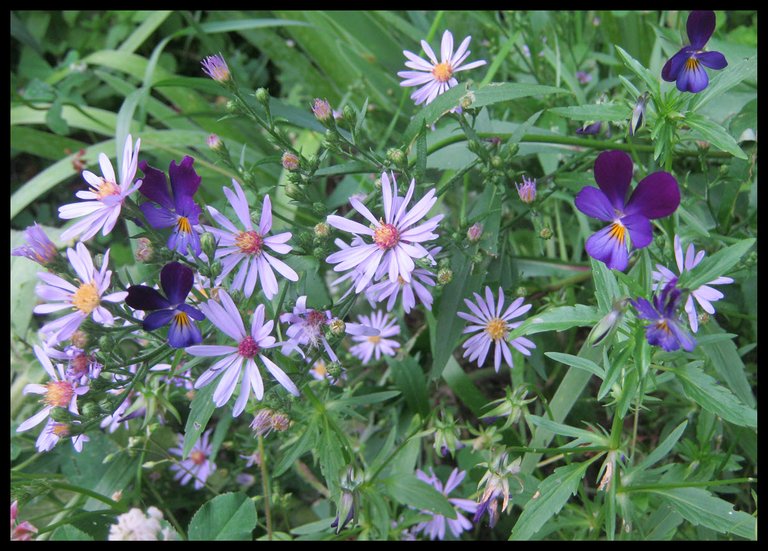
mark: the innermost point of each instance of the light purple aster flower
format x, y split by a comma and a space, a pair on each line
377, 344
435, 527
665, 331
37, 247
197, 465
492, 321
247, 248
215, 67
81, 367
583, 77
685, 67
416, 288
656, 196
238, 359
85, 299
436, 78
180, 212
704, 295
53, 432
396, 240
527, 190
104, 201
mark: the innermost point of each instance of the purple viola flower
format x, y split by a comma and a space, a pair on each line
435, 527
180, 212
176, 281
685, 67
590, 128
656, 196
666, 330
198, 464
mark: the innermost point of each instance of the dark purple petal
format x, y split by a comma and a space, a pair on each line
157, 319
609, 246
184, 179
155, 186
656, 196
593, 202
644, 309
613, 173
693, 78
713, 60
157, 216
186, 206
191, 311
176, 280
590, 129
660, 334
183, 332
685, 339
675, 64
141, 297
700, 26
640, 230
180, 241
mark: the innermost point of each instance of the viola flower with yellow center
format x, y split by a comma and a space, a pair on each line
104, 201
176, 280
198, 464
370, 345
239, 359
397, 240
436, 78
248, 248
59, 392
84, 300
686, 67
665, 330
491, 323
656, 196
180, 213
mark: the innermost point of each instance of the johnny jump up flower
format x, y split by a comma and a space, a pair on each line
704, 295
180, 212
436, 78
685, 67
176, 280
376, 344
238, 359
665, 331
435, 527
105, 199
656, 196
247, 248
197, 465
85, 299
37, 246
489, 317
396, 240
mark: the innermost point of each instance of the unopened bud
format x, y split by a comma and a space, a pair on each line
397, 157
337, 326
318, 207
290, 161
144, 250
89, 409
322, 230
474, 233
105, 342
208, 244
546, 233
322, 110
262, 96
319, 253
214, 142
497, 162
521, 291
98, 260
231, 106
349, 114
444, 276
293, 191
60, 415
467, 100
80, 339
215, 269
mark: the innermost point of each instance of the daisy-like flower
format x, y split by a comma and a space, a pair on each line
436, 78
85, 299
435, 527
215, 67
181, 213
527, 190
685, 67
53, 432
665, 330
38, 247
104, 201
240, 359
377, 344
136, 526
176, 280
656, 196
411, 290
81, 367
197, 465
396, 238
59, 392
492, 321
704, 295
247, 248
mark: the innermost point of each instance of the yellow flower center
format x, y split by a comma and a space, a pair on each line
320, 368
386, 236
691, 64
197, 457
663, 326
105, 188
374, 339
496, 329
442, 72
183, 225
618, 230
58, 394
249, 242
181, 319
60, 429
86, 298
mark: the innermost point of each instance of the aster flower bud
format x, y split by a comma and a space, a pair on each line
521, 291
293, 191
467, 100
322, 230
262, 96
290, 161
475, 232
546, 233
349, 115
215, 269
337, 326
444, 276
144, 250
322, 110
497, 161
215, 67
511, 406
208, 244
397, 157
638, 114
214, 142
446, 434
527, 190
318, 207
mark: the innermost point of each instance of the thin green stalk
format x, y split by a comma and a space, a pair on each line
670, 486
265, 488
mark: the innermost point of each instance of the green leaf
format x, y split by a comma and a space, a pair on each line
54, 119
144, 31
230, 516
557, 319
575, 361
725, 80
727, 363
421, 155
409, 378
303, 445
200, 412
70, 533
636, 67
662, 449
607, 288
330, 452
715, 266
699, 507
409, 490
213, 27
715, 134
499, 92
713, 397
429, 115
500, 57
581, 435
463, 386
372, 398
594, 112
554, 492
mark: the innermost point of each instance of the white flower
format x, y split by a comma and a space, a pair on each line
136, 526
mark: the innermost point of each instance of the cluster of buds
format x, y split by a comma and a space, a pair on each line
266, 420
447, 434
511, 406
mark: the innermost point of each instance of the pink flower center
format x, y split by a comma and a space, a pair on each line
386, 236
58, 394
442, 72
198, 457
248, 347
315, 319
79, 365
250, 242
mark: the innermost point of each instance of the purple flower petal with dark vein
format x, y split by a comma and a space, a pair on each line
685, 67
666, 330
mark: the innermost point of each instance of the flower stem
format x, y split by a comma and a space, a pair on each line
265, 488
